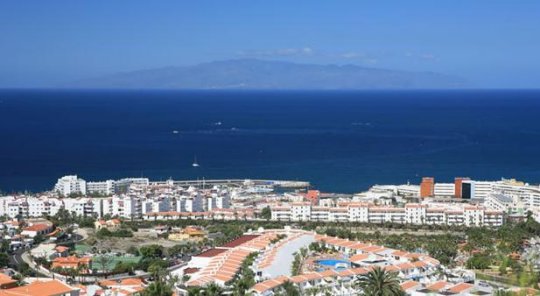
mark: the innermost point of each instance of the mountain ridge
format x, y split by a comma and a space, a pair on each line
264, 74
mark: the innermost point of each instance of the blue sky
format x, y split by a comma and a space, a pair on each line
492, 43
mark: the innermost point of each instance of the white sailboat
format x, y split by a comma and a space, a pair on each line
195, 164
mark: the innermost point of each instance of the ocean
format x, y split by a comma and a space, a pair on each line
340, 141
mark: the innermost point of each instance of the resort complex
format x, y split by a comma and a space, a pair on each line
268, 237
328, 263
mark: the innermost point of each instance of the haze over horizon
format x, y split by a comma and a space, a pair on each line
492, 44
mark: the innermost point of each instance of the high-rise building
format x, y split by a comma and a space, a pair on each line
427, 187
457, 184
444, 189
467, 189
70, 185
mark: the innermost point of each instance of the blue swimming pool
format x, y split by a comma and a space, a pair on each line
335, 263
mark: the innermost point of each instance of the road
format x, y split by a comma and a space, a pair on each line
23, 255
79, 235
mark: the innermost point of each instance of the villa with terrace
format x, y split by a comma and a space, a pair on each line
330, 264
351, 259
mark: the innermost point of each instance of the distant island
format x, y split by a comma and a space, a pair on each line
263, 74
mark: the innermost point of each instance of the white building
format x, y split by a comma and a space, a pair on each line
444, 189
419, 214
70, 185
301, 211
501, 202
103, 187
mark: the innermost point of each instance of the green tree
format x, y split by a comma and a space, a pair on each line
266, 213
478, 261
289, 288
133, 250
194, 291
503, 266
151, 251
4, 248
104, 261
159, 287
212, 289
4, 260
502, 292
379, 282
103, 232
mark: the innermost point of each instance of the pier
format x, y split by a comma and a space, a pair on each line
240, 182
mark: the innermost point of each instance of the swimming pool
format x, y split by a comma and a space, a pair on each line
335, 263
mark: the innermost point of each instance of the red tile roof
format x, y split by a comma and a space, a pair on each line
37, 227
409, 285
39, 288
460, 287
6, 280
239, 241
211, 253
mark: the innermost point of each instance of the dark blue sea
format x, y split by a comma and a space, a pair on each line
340, 141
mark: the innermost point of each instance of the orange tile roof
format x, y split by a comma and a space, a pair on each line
405, 265
409, 285
460, 287
70, 262
437, 286
211, 253
61, 249
38, 227
359, 257
239, 241
5, 279
419, 264
328, 272
391, 268
39, 288
399, 253
137, 282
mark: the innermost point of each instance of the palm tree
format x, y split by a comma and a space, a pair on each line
160, 287
80, 269
326, 290
379, 282
194, 291
290, 289
212, 289
240, 287
502, 292
303, 252
313, 291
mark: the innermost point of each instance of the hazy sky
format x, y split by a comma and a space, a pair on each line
492, 43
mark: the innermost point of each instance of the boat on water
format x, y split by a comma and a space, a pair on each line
260, 189
195, 163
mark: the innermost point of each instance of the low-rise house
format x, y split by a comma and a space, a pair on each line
125, 287
161, 229
46, 251
111, 225
37, 229
72, 262
6, 282
61, 251
42, 288
188, 233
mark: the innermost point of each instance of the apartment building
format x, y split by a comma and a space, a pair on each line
103, 187
440, 214
68, 185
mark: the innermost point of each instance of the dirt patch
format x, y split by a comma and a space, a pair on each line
122, 244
